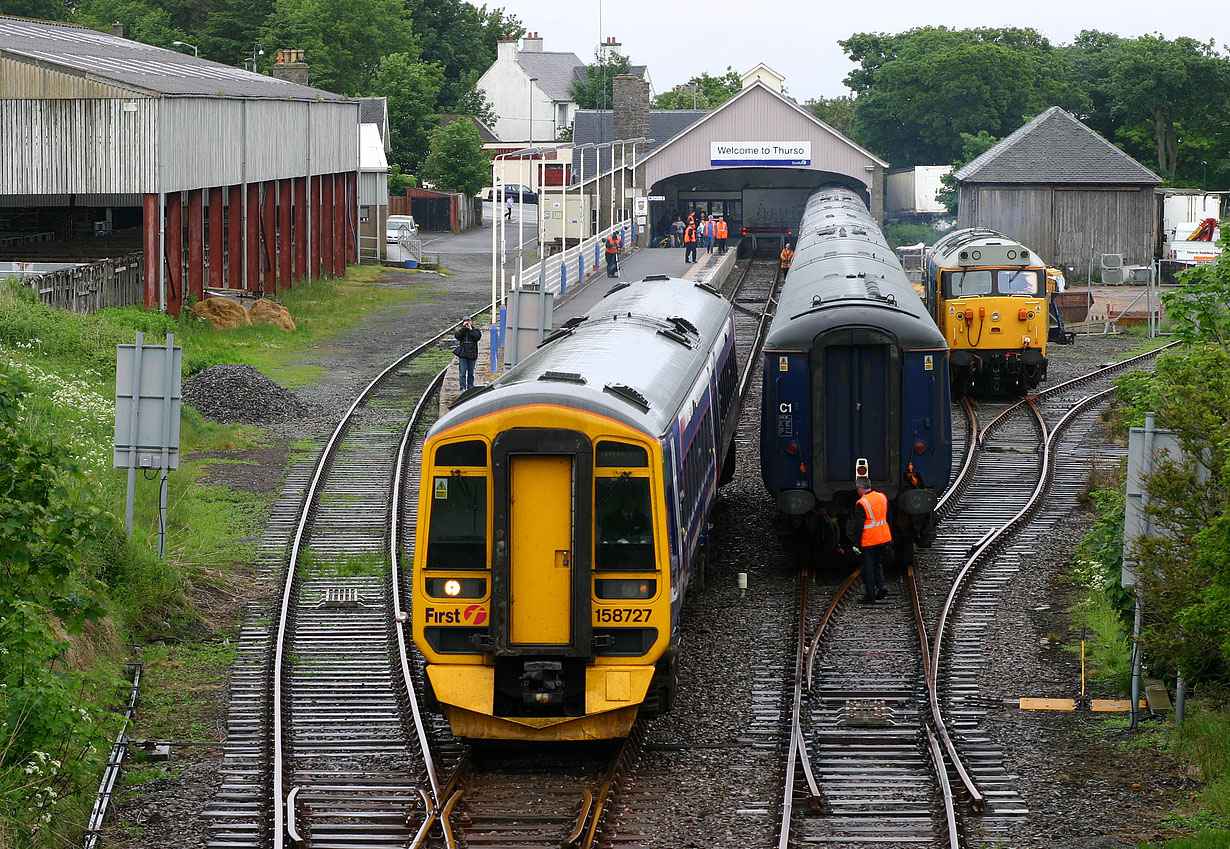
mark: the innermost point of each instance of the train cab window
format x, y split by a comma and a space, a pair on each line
622, 509
457, 530
621, 454
960, 284
472, 452
1017, 281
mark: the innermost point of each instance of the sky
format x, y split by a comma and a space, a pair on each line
678, 39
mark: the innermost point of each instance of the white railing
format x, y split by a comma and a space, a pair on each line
576, 264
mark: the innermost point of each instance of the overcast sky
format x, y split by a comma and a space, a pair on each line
680, 38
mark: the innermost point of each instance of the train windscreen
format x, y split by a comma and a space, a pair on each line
625, 530
457, 533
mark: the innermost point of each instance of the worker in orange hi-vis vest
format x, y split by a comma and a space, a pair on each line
689, 243
721, 230
787, 257
869, 525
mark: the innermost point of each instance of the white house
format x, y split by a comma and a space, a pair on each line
530, 90
764, 74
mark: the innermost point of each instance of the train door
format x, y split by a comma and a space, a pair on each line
540, 578
859, 404
540, 548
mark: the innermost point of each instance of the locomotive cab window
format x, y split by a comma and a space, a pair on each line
623, 509
961, 284
457, 529
1017, 281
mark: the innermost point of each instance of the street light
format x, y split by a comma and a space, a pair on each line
186, 44
257, 50
1204, 172
531, 100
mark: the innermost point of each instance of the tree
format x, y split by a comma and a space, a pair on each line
345, 41
837, 112
594, 91
47, 10
461, 39
143, 21
972, 147
412, 88
917, 92
710, 92
456, 160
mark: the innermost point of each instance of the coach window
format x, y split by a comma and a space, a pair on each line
958, 284
457, 524
623, 509
1017, 282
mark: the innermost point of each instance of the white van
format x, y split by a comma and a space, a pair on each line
396, 224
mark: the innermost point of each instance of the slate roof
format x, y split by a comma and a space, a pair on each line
142, 67
1056, 148
553, 70
591, 127
484, 132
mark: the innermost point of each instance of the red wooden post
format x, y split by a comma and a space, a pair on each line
175, 252
352, 214
216, 237
327, 220
234, 242
318, 231
196, 243
301, 234
284, 238
340, 204
149, 249
269, 237
252, 274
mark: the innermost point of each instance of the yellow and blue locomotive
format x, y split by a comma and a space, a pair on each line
988, 296
562, 511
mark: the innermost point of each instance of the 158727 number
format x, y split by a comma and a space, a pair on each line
623, 614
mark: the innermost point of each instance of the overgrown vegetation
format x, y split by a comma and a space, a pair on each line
75, 586
1185, 578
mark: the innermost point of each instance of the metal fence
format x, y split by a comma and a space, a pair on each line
572, 266
113, 282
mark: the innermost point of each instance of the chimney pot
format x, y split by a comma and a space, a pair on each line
117, 29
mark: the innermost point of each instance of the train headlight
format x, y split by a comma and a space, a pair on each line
625, 587
920, 447
994, 316
456, 587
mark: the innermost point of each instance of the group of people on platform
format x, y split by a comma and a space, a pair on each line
699, 229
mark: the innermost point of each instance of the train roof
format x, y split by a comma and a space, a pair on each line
633, 357
947, 252
843, 274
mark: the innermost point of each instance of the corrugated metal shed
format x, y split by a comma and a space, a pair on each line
373, 168
140, 68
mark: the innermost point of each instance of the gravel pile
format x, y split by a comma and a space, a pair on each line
241, 394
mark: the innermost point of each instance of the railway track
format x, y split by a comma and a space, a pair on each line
895, 754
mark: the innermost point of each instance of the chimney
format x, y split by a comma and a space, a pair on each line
506, 50
532, 43
117, 29
607, 49
291, 67
630, 98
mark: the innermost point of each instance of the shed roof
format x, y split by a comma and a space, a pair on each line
484, 132
591, 127
371, 149
553, 70
1055, 147
143, 68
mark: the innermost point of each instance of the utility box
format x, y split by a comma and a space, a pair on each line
147, 399
565, 216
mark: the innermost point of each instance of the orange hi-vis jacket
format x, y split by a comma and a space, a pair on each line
689, 235
722, 229
612, 247
875, 526
787, 255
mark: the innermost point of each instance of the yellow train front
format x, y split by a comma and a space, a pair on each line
988, 296
562, 511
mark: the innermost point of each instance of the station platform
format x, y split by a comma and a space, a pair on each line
712, 269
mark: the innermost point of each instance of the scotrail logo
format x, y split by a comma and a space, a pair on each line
478, 612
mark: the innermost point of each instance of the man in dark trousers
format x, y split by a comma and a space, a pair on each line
689, 243
612, 255
467, 337
869, 525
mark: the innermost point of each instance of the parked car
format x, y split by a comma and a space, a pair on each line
516, 192
396, 224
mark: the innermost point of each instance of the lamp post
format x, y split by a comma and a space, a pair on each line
186, 44
531, 110
1204, 171
257, 50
